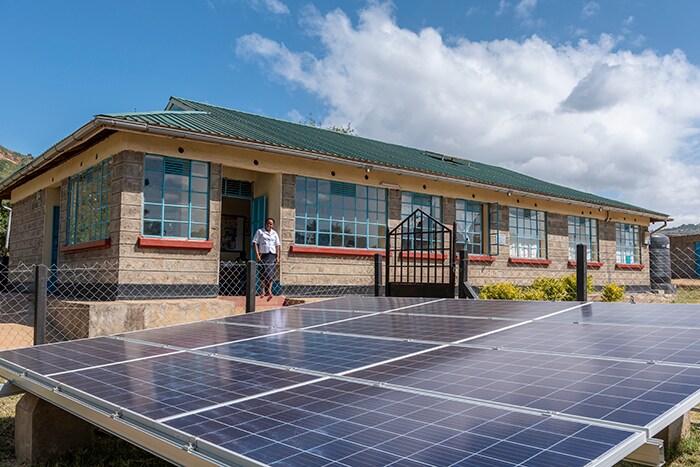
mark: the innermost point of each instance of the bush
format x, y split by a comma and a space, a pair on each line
613, 293
500, 291
533, 294
569, 286
552, 289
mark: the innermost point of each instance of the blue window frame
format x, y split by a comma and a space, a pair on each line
175, 198
585, 231
627, 244
429, 204
337, 214
528, 233
469, 226
87, 217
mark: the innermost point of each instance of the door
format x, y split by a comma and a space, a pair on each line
697, 259
257, 219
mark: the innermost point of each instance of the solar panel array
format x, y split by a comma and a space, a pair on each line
390, 381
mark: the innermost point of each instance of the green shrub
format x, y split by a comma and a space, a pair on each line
569, 286
551, 288
533, 294
500, 291
613, 293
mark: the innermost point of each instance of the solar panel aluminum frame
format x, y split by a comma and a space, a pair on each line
160, 440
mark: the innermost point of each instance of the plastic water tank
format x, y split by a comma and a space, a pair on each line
660, 263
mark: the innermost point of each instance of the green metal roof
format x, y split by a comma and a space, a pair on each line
210, 119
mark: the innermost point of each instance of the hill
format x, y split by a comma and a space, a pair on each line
685, 229
10, 161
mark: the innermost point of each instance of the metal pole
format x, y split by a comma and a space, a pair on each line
377, 274
581, 273
386, 268
39, 304
463, 265
250, 285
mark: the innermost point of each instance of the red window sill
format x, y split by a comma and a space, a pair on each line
481, 259
145, 242
422, 255
590, 264
333, 251
87, 246
530, 261
629, 266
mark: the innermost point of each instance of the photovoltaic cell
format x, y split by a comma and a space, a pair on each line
193, 335
677, 345
648, 314
364, 303
66, 356
320, 352
429, 328
173, 384
624, 392
506, 309
294, 318
353, 424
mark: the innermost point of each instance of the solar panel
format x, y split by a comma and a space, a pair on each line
652, 343
441, 329
630, 314
403, 381
365, 303
73, 355
178, 383
624, 392
502, 309
291, 318
353, 424
193, 335
318, 352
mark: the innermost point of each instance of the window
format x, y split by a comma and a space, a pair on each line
528, 233
175, 198
88, 204
583, 230
627, 245
432, 206
469, 226
338, 214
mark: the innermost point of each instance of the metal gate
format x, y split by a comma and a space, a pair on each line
420, 254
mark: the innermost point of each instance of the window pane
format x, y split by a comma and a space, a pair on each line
88, 204
176, 189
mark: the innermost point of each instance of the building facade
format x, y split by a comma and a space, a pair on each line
168, 198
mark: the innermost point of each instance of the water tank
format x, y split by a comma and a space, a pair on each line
660, 263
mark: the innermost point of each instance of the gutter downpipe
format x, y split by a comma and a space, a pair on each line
9, 227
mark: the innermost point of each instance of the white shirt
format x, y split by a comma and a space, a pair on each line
267, 241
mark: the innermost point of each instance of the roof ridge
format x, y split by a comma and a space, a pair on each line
155, 112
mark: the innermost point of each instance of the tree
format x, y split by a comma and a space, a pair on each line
348, 130
3, 227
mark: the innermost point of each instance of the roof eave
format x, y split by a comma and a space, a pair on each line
101, 122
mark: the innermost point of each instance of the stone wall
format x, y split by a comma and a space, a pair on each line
27, 230
327, 270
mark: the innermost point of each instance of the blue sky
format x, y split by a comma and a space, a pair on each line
603, 96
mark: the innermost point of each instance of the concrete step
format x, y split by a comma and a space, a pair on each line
261, 303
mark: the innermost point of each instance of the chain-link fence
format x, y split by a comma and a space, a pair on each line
64, 294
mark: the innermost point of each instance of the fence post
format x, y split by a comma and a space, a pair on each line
250, 285
581, 273
39, 304
377, 274
463, 273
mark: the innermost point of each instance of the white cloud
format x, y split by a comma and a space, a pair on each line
503, 5
586, 115
273, 6
590, 9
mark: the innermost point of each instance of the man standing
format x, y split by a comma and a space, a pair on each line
266, 243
